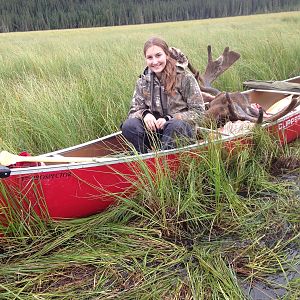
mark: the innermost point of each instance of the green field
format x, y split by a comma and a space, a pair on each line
59, 88
220, 225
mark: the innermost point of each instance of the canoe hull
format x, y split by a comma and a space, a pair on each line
78, 190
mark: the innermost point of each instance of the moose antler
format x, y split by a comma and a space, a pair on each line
220, 65
214, 69
295, 102
232, 106
238, 108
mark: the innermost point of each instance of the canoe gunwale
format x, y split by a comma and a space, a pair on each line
274, 91
132, 158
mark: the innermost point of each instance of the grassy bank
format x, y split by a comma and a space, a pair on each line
218, 226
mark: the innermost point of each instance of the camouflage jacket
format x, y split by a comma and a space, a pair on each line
187, 103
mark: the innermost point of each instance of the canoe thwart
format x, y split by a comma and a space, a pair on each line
273, 85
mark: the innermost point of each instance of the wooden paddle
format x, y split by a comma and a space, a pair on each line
7, 159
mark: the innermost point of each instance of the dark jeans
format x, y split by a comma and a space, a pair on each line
174, 132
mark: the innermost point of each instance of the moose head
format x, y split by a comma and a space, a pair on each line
234, 106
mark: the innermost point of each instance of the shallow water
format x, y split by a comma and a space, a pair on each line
275, 286
295, 178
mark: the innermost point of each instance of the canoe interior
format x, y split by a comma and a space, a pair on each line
111, 145
114, 145
293, 80
265, 98
268, 98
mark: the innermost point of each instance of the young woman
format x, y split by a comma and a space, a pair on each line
166, 103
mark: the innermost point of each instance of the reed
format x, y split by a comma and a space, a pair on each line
219, 225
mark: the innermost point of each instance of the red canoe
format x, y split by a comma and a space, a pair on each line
63, 190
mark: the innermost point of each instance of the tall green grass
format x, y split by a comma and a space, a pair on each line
59, 88
218, 223
197, 233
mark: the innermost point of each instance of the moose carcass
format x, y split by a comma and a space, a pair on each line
236, 106
231, 106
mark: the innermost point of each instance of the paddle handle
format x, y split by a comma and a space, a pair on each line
57, 159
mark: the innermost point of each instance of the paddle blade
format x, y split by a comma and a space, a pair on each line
7, 158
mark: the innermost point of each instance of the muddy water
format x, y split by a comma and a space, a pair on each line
275, 286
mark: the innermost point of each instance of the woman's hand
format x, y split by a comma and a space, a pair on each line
150, 122
160, 123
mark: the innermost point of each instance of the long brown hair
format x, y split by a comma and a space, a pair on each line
168, 76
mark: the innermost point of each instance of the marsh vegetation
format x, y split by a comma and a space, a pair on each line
219, 227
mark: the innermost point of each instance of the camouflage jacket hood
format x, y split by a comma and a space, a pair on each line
187, 103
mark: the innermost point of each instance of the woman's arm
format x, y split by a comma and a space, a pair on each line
138, 108
192, 94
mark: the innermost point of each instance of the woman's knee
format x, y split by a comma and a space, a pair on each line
179, 126
132, 125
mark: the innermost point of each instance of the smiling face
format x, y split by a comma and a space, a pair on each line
156, 59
